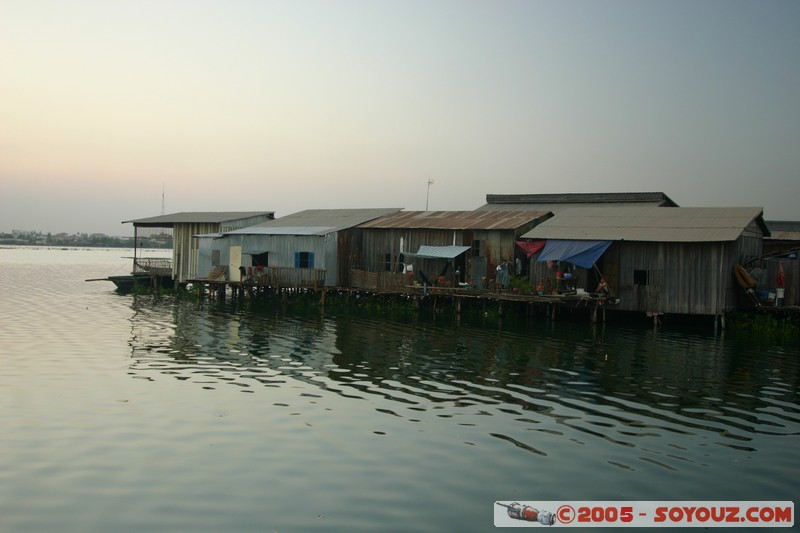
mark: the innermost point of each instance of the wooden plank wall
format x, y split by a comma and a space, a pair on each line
378, 281
497, 246
682, 278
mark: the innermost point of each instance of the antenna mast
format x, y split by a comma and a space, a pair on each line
427, 197
162, 199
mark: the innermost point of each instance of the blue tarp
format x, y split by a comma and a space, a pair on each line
580, 253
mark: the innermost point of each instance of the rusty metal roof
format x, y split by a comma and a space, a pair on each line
457, 220
656, 224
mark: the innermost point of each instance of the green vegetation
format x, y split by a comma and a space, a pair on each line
523, 285
769, 327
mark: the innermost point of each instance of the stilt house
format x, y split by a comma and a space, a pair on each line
315, 247
654, 260
184, 226
464, 247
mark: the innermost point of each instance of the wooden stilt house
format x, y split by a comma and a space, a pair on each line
185, 226
463, 247
312, 248
678, 260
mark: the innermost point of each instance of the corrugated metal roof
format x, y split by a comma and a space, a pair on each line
557, 203
332, 219
555, 208
197, 217
784, 230
678, 224
456, 220
582, 198
427, 251
287, 230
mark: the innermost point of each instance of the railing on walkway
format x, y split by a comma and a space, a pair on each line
286, 277
157, 266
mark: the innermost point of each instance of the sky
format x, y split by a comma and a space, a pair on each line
242, 105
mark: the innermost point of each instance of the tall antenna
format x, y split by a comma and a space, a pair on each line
427, 197
162, 199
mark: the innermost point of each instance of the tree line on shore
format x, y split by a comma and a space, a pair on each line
34, 238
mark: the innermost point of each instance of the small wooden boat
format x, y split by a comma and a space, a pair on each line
127, 283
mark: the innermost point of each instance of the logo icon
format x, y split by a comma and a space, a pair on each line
518, 511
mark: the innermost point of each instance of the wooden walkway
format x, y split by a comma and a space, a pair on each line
594, 305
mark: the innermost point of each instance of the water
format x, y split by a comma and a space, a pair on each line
142, 413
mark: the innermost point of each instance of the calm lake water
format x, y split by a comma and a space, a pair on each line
142, 413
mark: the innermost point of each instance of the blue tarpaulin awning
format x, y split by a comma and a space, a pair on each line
581, 253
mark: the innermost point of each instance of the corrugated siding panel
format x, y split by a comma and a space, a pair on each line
185, 253
282, 250
497, 246
688, 278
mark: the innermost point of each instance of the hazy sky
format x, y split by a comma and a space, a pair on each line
285, 106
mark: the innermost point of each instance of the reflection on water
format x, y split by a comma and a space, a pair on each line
141, 413
655, 392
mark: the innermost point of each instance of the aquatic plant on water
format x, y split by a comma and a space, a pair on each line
766, 326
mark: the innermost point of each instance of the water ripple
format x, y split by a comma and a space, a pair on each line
406, 371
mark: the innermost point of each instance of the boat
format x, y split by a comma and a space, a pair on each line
147, 272
126, 283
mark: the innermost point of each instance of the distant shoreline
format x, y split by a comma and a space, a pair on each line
7, 246
81, 241
17, 242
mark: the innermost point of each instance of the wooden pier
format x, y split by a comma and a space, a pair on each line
589, 305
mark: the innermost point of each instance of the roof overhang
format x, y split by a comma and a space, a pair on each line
439, 252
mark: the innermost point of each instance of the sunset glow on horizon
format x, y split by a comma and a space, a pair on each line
284, 106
